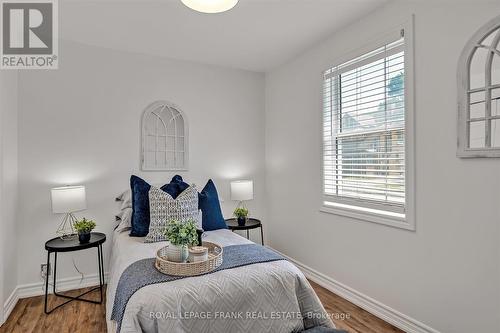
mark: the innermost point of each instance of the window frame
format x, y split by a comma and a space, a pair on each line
372, 213
150, 109
463, 80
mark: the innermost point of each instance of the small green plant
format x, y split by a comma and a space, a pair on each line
84, 226
241, 212
181, 233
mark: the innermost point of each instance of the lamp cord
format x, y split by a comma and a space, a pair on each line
74, 265
51, 284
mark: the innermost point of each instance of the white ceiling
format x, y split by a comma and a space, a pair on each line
256, 35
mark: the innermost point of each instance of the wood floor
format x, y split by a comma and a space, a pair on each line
28, 316
359, 320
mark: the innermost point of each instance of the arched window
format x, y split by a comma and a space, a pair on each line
164, 137
479, 94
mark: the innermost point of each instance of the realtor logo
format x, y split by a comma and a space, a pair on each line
29, 34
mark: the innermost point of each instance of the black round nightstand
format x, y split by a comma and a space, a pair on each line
56, 245
251, 223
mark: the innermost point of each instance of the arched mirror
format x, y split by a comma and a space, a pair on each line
479, 94
164, 138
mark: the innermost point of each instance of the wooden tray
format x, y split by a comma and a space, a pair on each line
190, 268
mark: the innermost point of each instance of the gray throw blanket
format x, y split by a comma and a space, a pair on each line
143, 273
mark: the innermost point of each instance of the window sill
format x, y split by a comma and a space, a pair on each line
391, 221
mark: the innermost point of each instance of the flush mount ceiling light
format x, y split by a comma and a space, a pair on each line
210, 6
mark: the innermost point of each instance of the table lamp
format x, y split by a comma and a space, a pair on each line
242, 190
67, 200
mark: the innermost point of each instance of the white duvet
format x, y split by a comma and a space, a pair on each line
264, 297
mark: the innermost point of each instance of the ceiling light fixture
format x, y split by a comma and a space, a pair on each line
210, 6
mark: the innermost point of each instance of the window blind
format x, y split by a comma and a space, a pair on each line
364, 130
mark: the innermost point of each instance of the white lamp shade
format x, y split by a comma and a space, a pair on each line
68, 199
242, 190
210, 6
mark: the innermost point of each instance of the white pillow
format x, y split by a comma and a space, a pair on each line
126, 199
125, 217
163, 208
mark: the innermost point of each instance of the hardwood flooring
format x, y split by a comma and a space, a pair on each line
359, 320
28, 316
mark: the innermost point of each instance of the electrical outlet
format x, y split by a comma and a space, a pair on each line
44, 270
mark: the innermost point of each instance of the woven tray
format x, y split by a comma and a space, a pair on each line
190, 268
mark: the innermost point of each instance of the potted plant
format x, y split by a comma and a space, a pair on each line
241, 214
84, 227
181, 235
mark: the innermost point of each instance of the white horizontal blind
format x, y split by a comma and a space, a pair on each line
364, 130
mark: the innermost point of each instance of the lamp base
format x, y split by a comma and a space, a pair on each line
65, 231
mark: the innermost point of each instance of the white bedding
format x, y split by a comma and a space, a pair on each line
265, 289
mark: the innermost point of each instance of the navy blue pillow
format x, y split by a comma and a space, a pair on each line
208, 202
140, 201
175, 187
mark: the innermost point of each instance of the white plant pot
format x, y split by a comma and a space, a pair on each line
177, 253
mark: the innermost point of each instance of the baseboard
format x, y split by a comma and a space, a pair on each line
75, 282
9, 305
37, 289
365, 302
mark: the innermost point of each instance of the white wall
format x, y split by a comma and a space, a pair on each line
80, 124
446, 274
8, 184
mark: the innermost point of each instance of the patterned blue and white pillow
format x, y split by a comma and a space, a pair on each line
163, 208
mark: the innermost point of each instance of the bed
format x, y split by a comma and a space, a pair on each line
265, 297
